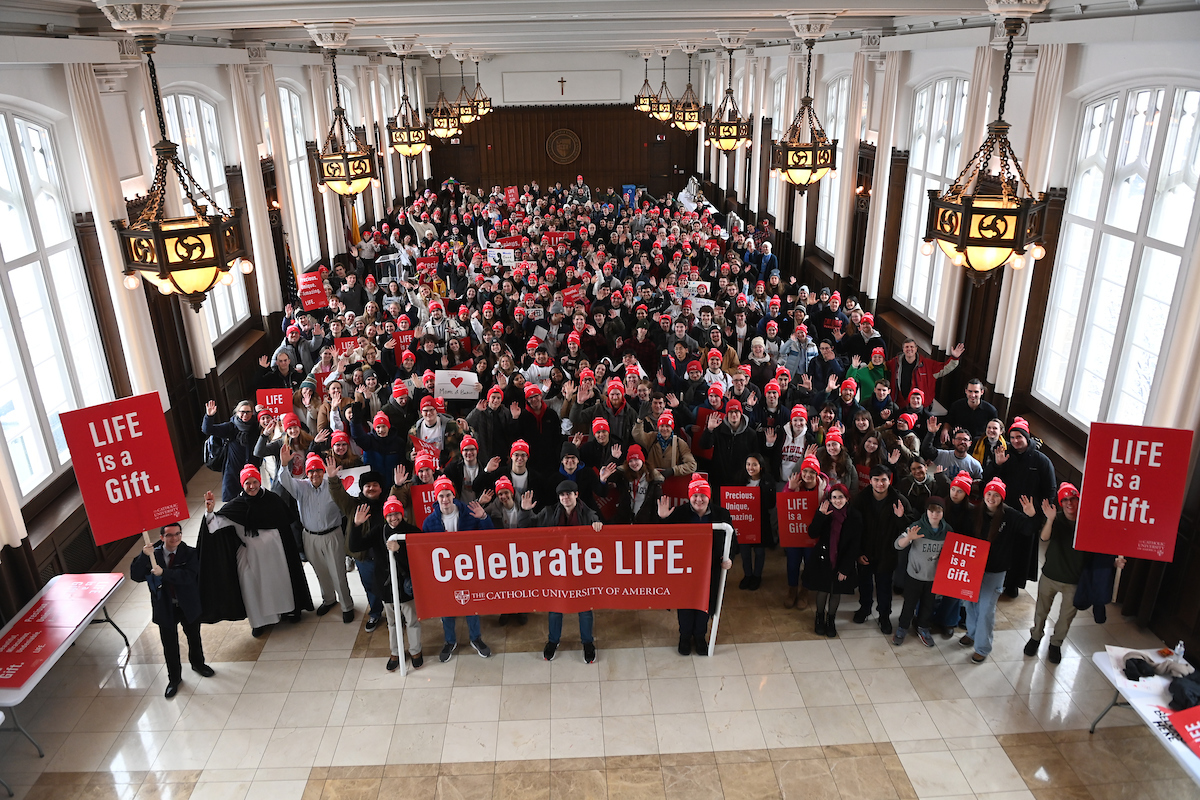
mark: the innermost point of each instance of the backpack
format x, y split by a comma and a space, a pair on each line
215, 449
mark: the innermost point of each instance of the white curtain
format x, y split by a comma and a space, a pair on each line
320, 83
873, 252
945, 329
782, 223
283, 176
761, 139
1175, 401
1014, 294
266, 273
848, 166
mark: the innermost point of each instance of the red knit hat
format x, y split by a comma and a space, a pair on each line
381, 419
1019, 424
504, 483
1066, 490
635, 451
799, 410
313, 462
772, 386
532, 389
833, 435
427, 402
519, 446
963, 481
853, 384
599, 424
249, 471
425, 461
393, 506
717, 389
996, 485
699, 485
909, 419
468, 441
811, 462
399, 388
340, 436
733, 405
443, 484
714, 353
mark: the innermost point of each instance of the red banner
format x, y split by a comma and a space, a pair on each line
960, 567
344, 344
560, 569
572, 295
320, 377
795, 512
427, 448
403, 339
25, 648
553, 237
509, 241
1132, 493
277, 401
510, 195
312, 291
427, 262
702, 415
744, 504
125, 466
1187, 725
423, 500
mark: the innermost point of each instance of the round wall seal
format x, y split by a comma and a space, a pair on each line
562, 146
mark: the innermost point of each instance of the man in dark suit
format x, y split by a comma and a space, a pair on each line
171, 568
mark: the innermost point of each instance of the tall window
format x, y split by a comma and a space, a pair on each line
308, 249
939, 112
1129, 222
779, 127
51, 359
192, 124
837, 98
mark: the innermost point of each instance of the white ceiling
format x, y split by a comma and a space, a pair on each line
523, 26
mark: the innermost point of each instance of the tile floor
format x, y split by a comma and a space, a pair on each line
310, 712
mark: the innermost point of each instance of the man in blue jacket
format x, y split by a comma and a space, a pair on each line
172, 571
454, 515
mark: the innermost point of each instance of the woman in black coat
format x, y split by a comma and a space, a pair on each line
832, 572
700, 509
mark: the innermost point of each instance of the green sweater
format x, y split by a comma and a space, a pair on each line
867, 376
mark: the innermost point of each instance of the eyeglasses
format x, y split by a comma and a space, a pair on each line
246, 411
178, 535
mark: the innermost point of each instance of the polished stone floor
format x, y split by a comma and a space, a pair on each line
310, 712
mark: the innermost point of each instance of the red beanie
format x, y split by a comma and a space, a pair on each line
249, 471
963, 481
996, 485
381, 419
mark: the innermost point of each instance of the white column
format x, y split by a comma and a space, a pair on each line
761, 139
283, 176
266, 273
702, 131
945, 329
848, 166
104, 195
782, 221
386, 106
1014, 294
873, 252
367, 74
422, 105
746, 105
320, 82
714, 153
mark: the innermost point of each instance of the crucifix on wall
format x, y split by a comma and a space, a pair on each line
562, 86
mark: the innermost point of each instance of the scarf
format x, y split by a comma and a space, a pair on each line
258, 512
663, 443
836, 519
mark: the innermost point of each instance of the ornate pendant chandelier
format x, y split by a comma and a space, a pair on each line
181, 255
464, 102
443, 119
480, 99
804, 155
726, 128
406, 132
346, 165
989, 216
662, 107
644, 98
688, 112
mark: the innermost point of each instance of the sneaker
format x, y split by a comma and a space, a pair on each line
418, 661
348, 617
924, 635
898, 636
1031, 647
393, 663
589, 653
349, 564
1055, 654
372, 624
481, 648
978, 658
685, 645
325, 609
966, 641
447, 650
549, 650
885, 625
861, 615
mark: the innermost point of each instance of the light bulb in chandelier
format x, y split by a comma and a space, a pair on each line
344, 164
726, 128
805, 154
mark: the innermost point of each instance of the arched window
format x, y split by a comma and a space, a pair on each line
51, 358
1129, 223
935, 144
294, 149
192, 124
837, 98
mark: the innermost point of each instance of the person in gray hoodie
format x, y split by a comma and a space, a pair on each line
926, 536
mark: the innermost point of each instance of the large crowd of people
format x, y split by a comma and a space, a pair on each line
631, 358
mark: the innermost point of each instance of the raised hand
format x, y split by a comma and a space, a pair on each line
578, 439
607, 471
672, 400
493, 464
1000, 455
264, 361
1049, 511
714, 421
285, 452
210, 408
894, 456
769, 436
806, 382
939, 468
811, 450
833, 382
527, 501
322, 435
400, 475
838, 335
898, 509
958, 349
664, 508
210, 501
752, 400
331, 468
476, 510
487, 496
462, 425
855, 362
932, 425
515, 410
1027, 506
825, 507
362, 514
912, 534
616, 451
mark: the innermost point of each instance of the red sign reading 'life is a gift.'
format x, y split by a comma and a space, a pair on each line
560, 569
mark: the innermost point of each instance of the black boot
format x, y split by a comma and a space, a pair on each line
831, 626
685, 645
819, 628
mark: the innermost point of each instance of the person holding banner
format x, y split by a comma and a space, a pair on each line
1006, 530
383, 536
451, 515
271, 582
754, 556
700, 508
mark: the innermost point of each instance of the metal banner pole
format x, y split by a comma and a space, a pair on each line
400, 638
716, 620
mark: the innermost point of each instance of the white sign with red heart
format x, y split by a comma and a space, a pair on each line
455, 384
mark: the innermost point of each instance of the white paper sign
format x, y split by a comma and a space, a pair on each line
455, 384
349, 478
501, 257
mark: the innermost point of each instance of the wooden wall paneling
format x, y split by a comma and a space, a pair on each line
764, 170
237, 199
893, 208
106, 317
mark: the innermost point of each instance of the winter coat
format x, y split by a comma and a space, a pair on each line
821, 576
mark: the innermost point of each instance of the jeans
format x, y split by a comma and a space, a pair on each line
947, 614
472, 628
585, 626
1047, 589
693, 623
753, 558
881, 583
796, 555
981, 616
366, 572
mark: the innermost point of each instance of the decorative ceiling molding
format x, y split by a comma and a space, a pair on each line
139, 18
811, 26
330, 35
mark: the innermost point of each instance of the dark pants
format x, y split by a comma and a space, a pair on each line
366, 573
881, 584
917, 593
169, 634
796, 556
754, 556
692, 623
